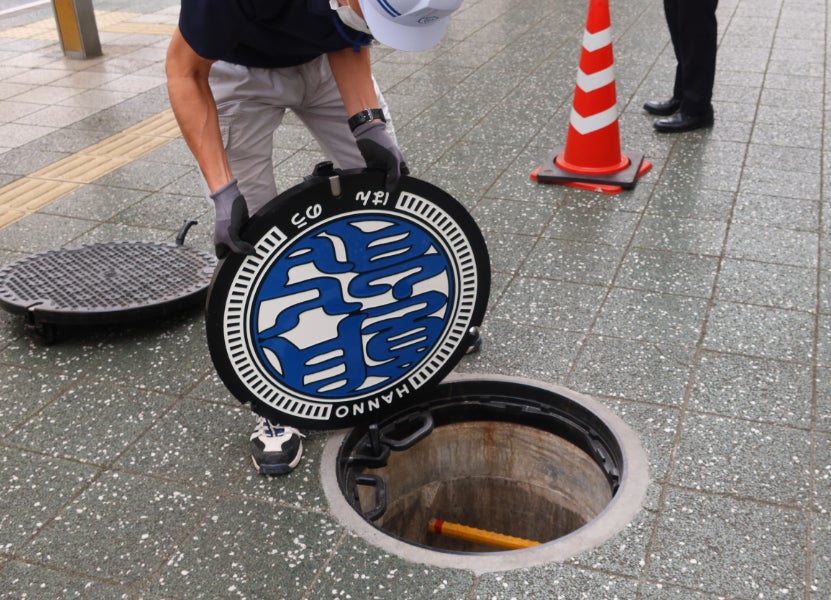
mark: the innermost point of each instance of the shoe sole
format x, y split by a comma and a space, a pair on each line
663, 129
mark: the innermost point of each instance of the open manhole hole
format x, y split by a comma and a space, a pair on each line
501, 472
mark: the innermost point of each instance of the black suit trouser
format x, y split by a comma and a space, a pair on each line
694, 33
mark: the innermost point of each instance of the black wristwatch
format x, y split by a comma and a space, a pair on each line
365, 116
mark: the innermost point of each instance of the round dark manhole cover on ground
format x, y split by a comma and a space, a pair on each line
105, 283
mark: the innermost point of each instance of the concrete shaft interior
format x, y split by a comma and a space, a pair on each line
502, 477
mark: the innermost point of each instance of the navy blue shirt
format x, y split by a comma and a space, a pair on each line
263, 33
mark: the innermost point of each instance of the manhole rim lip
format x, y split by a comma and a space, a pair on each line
613, 519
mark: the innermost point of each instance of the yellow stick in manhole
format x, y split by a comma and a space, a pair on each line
480, 536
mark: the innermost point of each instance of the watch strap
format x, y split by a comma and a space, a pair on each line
365, 116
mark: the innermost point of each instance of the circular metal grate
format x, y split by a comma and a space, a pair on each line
106, 283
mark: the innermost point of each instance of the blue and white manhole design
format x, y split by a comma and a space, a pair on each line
347, 316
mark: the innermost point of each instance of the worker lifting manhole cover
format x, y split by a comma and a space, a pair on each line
105, 283
351, 313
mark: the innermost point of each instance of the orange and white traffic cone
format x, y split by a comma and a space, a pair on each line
591, 158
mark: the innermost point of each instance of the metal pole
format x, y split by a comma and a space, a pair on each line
77, 28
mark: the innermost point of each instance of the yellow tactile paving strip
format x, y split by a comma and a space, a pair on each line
28, 194
108, 21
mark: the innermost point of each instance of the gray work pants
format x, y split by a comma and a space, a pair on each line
251, 104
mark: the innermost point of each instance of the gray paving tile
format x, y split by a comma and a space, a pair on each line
22, 161
92, 422
168, 355
777, 211
143, 175
596, 223
568, 260
468, 170
166, 211
123, 528
73, 357
362, 571
251, 549
173, 152
196, 443
757, 389
36, 487
26, 391
652, 317
656, 427
101, 233
510, 216
760, 331
786, 134
820, 576
507, 251
526, 350
67, 140
191, 184
703, 204
789, 163
22, 580
768, 244
622, 554
822, 472
548, 303
668, 272
41, 232
739, 549
731, 130
761, 180
94, 202
212, 389
779, 286
660, 591
635, 370
680, 235
713, 176
553, 582
709, 150
516, 183
823, 399
743, 459
824, 341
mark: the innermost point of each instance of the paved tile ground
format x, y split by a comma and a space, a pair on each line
695, 306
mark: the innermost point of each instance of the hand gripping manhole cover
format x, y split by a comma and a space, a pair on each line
356, 300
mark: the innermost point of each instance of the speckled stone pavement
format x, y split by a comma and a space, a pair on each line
694, 306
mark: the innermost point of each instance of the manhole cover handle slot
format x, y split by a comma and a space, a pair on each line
180, 238
415, 427
380, 486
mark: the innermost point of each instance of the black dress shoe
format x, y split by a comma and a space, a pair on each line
662, 109
683, 122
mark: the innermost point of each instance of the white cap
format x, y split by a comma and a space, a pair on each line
408, 24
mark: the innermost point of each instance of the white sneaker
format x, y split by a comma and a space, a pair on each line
275, 449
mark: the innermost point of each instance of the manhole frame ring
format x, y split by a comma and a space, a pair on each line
620, 511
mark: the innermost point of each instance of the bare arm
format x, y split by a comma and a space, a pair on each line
353, 75
195, 110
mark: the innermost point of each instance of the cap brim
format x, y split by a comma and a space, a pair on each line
402, 37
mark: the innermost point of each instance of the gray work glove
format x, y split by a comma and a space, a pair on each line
231, 217
380, 152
